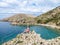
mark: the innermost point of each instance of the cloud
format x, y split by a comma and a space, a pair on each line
9, 1
55, 1
46, 9
3, 4
27, 6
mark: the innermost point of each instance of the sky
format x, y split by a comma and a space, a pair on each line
35, 7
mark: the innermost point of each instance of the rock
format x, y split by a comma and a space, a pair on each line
32, 38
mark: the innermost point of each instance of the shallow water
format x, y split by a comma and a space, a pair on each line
8, 31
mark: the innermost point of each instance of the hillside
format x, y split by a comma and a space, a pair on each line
51, 17
21, 19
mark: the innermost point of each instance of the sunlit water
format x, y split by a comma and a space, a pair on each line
8, 31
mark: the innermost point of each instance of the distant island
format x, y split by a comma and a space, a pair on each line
51, 17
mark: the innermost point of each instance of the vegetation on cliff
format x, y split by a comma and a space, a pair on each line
21, 19
51, 17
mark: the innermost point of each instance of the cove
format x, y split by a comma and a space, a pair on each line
8, 31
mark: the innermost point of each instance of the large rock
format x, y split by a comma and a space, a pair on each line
32, 38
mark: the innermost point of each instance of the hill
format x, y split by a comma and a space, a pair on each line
21, 19
51, 17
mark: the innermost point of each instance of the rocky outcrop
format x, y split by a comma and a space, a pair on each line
32, 38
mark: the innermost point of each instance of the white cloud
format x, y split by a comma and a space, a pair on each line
24, 2
10, 1
46, 8
26, 6
3, 4
55, 1
27, 10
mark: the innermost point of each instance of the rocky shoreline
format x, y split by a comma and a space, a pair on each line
46, 25
32, 38
51, 26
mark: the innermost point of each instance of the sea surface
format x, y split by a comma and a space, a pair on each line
8, 31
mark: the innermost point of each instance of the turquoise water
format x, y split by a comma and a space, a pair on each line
8, 31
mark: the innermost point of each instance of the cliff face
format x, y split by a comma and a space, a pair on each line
21, 19
51, 17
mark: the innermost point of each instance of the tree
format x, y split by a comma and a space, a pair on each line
38, 21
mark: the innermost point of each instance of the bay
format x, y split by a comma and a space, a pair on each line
8, 31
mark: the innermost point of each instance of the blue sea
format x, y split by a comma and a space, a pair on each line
8, 31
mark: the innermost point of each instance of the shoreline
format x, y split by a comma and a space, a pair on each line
32, 38
47, 25
52, 26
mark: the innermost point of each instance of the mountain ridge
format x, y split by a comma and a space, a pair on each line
51, 17
21, 19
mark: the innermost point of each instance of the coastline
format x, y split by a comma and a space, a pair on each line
46, 25
35, 24
32, 38
52, 26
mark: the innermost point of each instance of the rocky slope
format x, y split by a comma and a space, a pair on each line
21, 19
51, 17
32, 38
